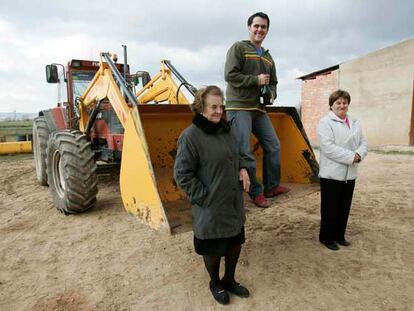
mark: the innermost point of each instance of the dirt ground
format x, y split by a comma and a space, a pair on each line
105, 259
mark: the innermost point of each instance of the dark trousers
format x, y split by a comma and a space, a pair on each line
336, 200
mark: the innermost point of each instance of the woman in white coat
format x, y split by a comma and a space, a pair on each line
342, 147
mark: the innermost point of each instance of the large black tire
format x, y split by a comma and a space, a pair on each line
71, 172
40, 138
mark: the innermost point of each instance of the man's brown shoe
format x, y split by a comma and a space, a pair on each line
260, 201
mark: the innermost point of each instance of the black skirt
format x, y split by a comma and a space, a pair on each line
218, 247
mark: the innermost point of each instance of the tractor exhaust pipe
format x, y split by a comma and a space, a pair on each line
125, 61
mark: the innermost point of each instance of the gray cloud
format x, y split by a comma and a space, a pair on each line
304, 36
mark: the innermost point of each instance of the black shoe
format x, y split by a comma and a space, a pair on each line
235, 288
332, 246
219, 293
343, 242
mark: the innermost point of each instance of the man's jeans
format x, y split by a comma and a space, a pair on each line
244, 123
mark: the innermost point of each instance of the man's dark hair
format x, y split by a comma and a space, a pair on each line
258, 14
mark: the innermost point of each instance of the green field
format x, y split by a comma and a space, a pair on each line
9, 130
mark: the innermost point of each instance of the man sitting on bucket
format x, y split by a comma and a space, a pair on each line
250, 73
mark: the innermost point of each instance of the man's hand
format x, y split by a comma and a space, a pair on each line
245, 179
263, 78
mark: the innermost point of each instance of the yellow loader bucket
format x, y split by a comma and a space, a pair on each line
137, 181
147, 186
297, 160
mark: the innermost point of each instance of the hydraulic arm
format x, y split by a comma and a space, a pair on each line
162, 87
137, 183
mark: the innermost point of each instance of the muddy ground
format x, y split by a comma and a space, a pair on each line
105, 259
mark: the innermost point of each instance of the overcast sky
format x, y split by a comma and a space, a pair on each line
304, 36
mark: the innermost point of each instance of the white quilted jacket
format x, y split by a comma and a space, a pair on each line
338, 145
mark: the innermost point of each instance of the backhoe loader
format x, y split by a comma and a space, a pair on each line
104, 123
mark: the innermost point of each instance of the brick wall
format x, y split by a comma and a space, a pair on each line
314, 101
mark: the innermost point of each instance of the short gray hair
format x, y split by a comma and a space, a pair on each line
200, 97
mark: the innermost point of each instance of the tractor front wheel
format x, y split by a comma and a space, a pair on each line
71, 172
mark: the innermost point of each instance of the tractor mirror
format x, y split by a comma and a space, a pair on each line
52, 74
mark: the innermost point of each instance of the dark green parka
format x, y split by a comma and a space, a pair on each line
207, 169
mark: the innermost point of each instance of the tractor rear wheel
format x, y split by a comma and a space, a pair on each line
40, 138
71, 172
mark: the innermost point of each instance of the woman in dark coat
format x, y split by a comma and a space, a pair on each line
209, 170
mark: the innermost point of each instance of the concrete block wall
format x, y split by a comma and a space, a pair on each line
314, 101
381, 85
381, 88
